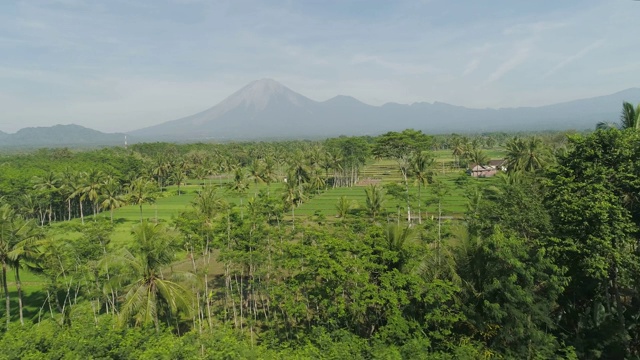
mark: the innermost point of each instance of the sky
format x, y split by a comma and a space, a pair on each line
121, 65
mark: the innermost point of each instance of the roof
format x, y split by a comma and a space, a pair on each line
497, 162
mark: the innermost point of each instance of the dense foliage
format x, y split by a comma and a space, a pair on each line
544, 264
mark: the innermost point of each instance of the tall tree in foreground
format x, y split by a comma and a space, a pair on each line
592, 198
511, 291
630, 117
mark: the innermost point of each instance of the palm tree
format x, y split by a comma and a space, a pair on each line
343, 206
528, 155
16, 245
421, 171
149, 296
239, 183
92, 188
78, 184
375, 200
630, 117
67, 188
396, 237
6, 217
24, 249
112, 195
141, 191
293, 196
178, 175
161, 169
459, 146
478, 157
255, 172
46, 186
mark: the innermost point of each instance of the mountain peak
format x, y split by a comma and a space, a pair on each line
258, 94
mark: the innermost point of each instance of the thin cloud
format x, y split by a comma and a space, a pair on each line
471, 67
513, 62
577, 56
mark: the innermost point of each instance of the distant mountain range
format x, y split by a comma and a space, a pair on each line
59, 135
266, 109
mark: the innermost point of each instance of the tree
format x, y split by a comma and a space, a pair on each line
375, 200
92, 188
512, 289
16, 245
592, 199
24, 250
178, 176
402, 147
630, 116
149, 296
421, 171
528, 155
161, 170
111, 195
141, 191
478, 157
47, 186
629, 119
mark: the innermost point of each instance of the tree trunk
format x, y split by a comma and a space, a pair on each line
81, 212
419, 204
7, 297
19, 287
406, 186
140, 213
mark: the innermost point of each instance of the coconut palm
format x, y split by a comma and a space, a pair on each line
141, 191
77, 186
47, 186
528, 155
396, 237
630, 116
92, 189
149, 296
422, 173
24, 250
178, 176
66, 188
478, 157
375, 200
239, 183
293, 195
161, 170
112, 195
16, 234
629, 119
343, 206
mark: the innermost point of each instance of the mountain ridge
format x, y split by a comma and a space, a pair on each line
59, 135
267, 109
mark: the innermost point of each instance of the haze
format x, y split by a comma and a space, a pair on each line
118, 66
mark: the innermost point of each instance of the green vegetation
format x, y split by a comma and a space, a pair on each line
353, 247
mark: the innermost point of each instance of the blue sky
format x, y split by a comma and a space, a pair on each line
119, 65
